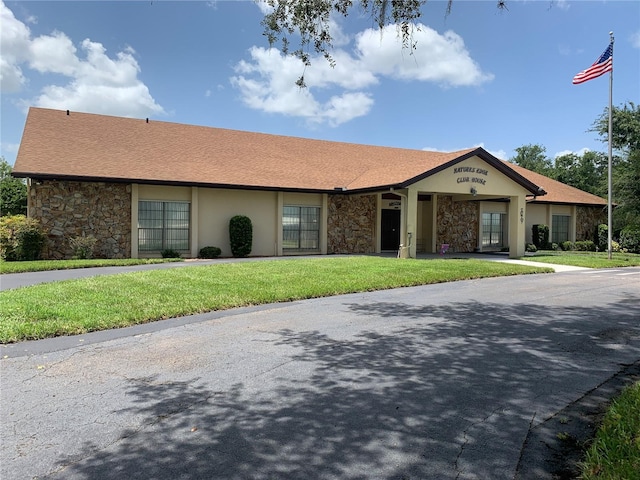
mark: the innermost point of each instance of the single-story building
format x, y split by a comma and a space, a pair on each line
140, 186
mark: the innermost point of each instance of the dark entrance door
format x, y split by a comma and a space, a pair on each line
390, 230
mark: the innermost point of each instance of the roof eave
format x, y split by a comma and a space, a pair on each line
172, 183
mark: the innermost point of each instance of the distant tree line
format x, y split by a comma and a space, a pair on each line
588, 171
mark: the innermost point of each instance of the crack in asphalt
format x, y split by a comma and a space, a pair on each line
465, 432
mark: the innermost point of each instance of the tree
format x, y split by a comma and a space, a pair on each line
13, 192
534, 158
625, 127
625, 140
587, 172
311, 20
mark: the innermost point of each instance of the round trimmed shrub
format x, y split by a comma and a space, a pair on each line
209, 252
170, 253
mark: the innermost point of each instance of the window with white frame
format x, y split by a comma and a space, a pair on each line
560, 228
301, 228
163, 225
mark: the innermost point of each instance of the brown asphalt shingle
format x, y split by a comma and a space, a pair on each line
100, 147
558, 192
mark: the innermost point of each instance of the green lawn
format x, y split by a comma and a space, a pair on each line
44, 265
615, 452
112, 301
586, 259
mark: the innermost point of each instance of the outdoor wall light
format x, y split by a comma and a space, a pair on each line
474, 192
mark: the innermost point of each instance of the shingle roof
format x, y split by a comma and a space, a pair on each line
81, 145
72, 145
558, 192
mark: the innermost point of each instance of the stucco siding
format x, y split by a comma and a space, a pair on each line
216, 207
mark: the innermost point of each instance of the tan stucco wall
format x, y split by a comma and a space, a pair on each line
213, 208
217, 206
473, 172
71, 209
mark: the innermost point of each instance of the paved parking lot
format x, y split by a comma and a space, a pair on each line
443, 381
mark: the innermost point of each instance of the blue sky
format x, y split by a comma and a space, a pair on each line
479, 76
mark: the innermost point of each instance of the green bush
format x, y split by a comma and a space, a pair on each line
240, 235
566, 246
602, 237
630, 238
170, 253
530, 247
554, 246
21, 238
540, 236
585, 246
83, 246
209, 252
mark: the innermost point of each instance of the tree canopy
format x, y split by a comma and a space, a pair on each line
13, 191
625, 140
588, 171
311, 20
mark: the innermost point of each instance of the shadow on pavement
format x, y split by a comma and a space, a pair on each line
441, 392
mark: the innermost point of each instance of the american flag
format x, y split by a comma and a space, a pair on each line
601, 66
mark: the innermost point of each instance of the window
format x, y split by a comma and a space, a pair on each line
301, 228
560, 228
493, 229
163, 225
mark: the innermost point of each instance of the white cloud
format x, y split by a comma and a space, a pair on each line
336, 95
96, 82
268, 84
634, 38
562, 4
580, 152
501, 154
53, 53
441, 59
14, 39
264, 7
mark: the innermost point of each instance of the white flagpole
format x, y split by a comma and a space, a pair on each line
609, 186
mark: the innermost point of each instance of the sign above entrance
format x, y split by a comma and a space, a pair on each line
471, 175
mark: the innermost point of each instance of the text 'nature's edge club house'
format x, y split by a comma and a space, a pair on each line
141, 186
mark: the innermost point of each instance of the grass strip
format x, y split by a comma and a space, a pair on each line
47, 265
615, 452
587, 259
112, 301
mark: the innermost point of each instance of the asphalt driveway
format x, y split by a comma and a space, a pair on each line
443, 381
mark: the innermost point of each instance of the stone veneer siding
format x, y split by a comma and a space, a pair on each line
351, 224
458, 224
587, 220
71, 209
